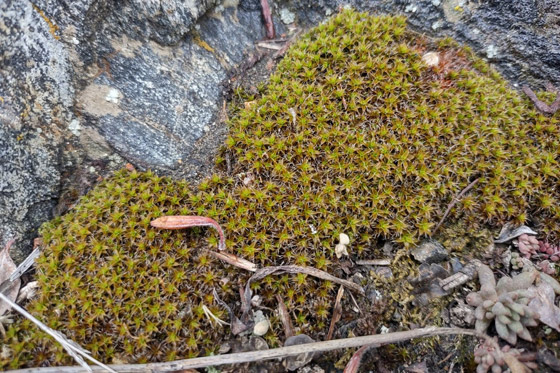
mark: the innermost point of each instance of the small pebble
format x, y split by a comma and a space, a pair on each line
261, 328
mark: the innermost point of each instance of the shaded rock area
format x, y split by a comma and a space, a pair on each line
87, 86
429, 251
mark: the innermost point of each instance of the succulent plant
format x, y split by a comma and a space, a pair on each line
515, 261
549, 251
542, 253
547, 267
505, 303
490, 359
528, 245
353, 134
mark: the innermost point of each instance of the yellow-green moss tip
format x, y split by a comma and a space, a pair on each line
354, 134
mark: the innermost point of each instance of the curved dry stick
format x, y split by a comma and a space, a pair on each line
548, 109
266, 271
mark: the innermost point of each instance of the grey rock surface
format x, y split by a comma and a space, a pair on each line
429, 251
89, 85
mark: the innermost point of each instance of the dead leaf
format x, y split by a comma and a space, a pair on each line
7, 267
181, 222
509, 232
515, 365
28, 291
543, 305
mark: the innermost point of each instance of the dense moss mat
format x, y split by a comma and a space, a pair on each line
354, 134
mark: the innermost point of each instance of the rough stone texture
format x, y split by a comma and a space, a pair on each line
429, 251
89, 85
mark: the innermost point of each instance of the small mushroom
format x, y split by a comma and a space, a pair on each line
340, 250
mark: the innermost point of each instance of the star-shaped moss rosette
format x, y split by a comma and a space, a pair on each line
354, 134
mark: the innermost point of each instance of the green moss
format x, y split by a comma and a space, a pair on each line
354, 134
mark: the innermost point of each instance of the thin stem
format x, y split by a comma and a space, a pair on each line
275, 353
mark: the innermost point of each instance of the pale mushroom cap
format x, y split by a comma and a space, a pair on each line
340, 250
344, 239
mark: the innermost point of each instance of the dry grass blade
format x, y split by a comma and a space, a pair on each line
337, 312
185, 221
234, 260
73, 349
285, 317
213, 317
26, 264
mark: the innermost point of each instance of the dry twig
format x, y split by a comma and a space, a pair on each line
263, 272
545, 108
454, 202
374, 262
267, 15
279, 53
275, 353
234, 260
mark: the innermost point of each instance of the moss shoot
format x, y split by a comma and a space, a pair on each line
353, 134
